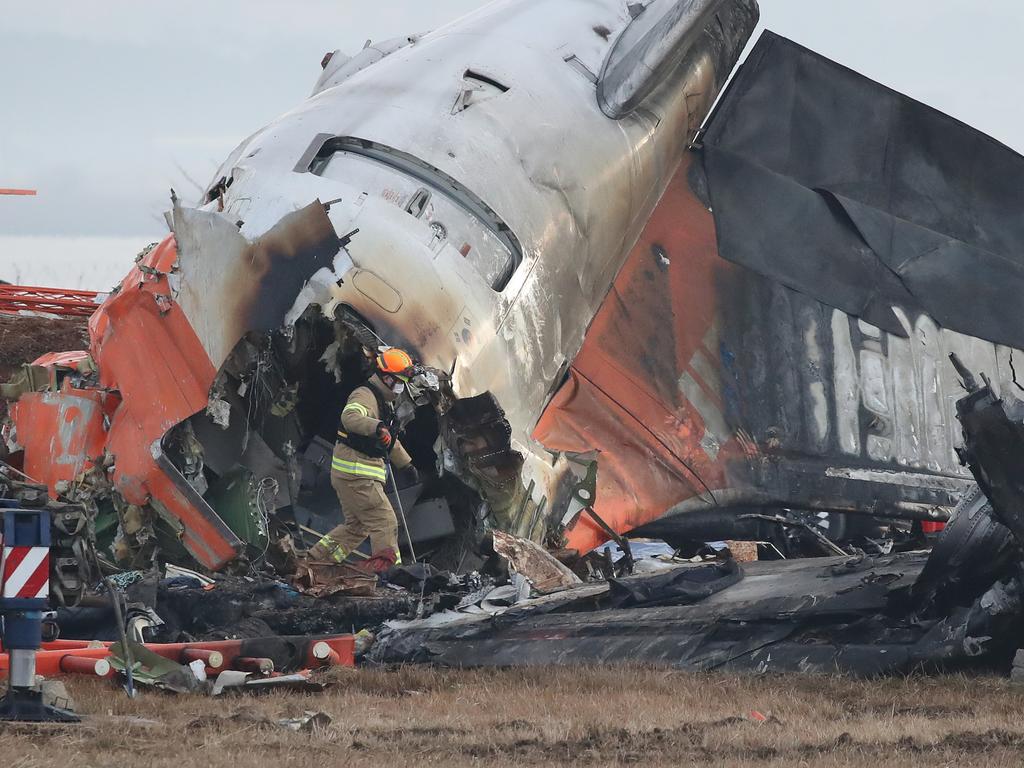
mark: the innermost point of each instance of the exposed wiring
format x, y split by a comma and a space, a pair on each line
266, 494
129, 662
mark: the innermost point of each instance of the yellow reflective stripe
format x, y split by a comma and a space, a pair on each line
334, 549
357, 407
358, 469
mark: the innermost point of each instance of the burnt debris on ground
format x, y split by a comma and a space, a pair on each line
958, 607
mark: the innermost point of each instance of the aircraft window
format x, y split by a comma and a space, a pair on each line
425, 192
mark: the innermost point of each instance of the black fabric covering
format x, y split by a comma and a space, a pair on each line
862, 198
683, 586
421, 578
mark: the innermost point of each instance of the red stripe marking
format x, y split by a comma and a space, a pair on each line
14, 559
36, 581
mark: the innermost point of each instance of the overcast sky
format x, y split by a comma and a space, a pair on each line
106, 104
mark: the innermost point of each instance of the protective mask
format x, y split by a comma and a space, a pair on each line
398, 387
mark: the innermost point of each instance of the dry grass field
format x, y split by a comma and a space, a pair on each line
419, 716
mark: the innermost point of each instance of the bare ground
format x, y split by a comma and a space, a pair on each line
23, 339
549, 716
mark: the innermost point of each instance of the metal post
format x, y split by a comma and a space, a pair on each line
24, 595
22, 668
401, 510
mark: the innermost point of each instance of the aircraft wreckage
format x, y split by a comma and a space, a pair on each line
635, 314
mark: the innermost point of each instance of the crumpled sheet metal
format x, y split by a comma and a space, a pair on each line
534, 562
827, 615
152, 669
326, 579
145, 349
673, 586
78, 415
158, 341
228, 285
863, 198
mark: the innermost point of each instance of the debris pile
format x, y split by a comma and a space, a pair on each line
574, 379
958, 607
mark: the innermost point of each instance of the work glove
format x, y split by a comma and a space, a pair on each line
384, 436
412, 475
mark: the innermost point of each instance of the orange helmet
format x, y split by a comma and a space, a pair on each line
395, 362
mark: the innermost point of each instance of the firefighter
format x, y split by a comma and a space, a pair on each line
366, 436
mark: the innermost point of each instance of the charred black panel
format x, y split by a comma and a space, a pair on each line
282, 261
777, 352
856, 195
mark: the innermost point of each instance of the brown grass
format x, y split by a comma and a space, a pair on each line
537, 717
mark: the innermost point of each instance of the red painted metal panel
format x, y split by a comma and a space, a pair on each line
146, 349
62, 432
148, 354
62, 359
624, 398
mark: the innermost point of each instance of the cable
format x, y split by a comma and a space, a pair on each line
129, 680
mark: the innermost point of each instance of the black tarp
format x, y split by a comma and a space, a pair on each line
673, 587
862, 198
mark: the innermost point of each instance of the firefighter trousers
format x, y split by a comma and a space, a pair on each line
368, 513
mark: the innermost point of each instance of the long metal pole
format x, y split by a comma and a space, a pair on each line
398, 504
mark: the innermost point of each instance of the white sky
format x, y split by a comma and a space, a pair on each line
107, 104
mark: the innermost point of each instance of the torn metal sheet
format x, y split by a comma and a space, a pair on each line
561, 285
534, 562
325, 579
227, 285
994, 448
885, 202
152, 669
822, 615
